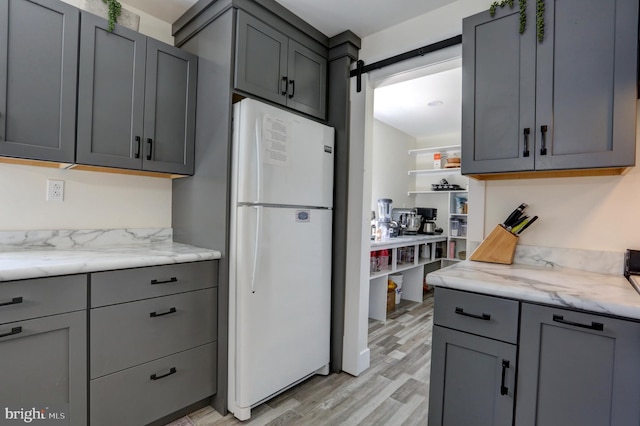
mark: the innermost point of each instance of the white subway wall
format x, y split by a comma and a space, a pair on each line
391, 163
92, 200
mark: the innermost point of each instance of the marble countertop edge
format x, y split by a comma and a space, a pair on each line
39, 263
563, 287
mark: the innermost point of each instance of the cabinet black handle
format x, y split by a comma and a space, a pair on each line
543, 147
14, 330
527, 132
138, 143
284, 90
594, 325
170, 280
293, 88
13, 301
155, 314
150, 144
156, 377
503, 388
485, 317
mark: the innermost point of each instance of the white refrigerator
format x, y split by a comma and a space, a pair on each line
280, 252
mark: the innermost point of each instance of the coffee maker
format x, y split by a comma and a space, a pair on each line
427, 224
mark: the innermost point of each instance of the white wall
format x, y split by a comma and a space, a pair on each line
93, 200
588, 212
390, 166
594, 213
149, 25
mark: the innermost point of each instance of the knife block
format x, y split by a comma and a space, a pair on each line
498, 247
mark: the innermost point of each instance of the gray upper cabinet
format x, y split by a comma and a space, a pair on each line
577, 369
571, 101
38, 65
136, 101
110, 95
275, 67
170, 109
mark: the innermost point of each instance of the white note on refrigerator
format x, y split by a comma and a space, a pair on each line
275, 141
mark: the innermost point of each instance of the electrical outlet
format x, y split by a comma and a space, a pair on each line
55, 190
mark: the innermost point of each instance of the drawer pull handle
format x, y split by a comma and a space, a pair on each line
170, 280
170, 311
503, 389
13, 301
485, 317
156, 377
14, 330
594, 325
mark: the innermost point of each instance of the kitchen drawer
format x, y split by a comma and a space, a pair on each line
126, 285
24, 299
132, 398
127, 334
485, 316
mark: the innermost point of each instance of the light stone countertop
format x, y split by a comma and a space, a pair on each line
37, 254
553, 285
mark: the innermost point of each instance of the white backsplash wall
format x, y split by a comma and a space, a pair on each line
92, 200
592, 213
391, 163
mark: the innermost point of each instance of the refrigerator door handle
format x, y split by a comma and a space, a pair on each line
258, 162
256, 251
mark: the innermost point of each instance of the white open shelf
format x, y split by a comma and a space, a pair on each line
450, 171
421, 151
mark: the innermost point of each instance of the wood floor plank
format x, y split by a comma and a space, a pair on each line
393, 391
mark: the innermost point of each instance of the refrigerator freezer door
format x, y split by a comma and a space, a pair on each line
282, 299
280, 157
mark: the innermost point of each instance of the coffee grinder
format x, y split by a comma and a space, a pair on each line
428, 224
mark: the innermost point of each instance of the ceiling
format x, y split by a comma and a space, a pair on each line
401, 105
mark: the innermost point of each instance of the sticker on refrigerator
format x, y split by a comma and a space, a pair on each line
303, 216
275, 143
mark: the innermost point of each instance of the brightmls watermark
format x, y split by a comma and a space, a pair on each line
35, 415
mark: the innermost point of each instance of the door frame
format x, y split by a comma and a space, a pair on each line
356, 354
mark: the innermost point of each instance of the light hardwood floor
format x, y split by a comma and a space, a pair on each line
393, 391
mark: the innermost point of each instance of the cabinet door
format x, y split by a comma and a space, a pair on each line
261, 59
38, 65
170, 107
472, 380
577, 369
307, 71
44, 365
586, 84
110, 95
498, 92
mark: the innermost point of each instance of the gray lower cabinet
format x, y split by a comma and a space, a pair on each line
136, 101
153, 341
577, 368
38, 78
273, 66
570, 100
43, 341
473, 376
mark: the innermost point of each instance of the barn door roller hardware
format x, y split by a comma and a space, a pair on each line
361, 68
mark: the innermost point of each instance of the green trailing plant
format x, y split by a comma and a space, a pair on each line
115, 9
540, 19
523, 14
